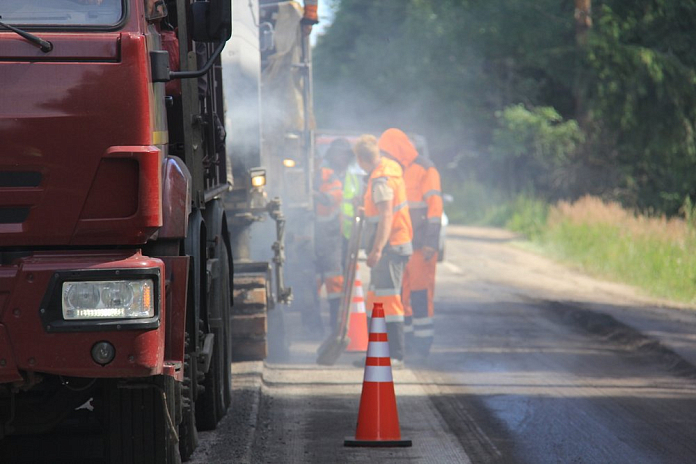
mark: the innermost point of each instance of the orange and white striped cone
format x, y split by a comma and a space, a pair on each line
357, 323
378, 418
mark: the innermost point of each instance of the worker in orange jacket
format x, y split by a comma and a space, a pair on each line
388, 235
425, 205
328, 198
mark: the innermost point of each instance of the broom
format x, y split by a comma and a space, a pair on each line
330, 350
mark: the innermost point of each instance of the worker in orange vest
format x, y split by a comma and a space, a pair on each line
388, 235
425, 205
328, 197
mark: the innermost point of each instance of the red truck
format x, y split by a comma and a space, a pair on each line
116, 255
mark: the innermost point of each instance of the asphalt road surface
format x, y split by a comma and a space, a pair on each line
532, 363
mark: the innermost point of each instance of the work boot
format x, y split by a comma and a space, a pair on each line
397, 364
417, 358
359, 363
312, 326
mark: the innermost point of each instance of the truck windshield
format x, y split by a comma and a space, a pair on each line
70, 13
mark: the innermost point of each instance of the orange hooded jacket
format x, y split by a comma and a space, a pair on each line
422, 187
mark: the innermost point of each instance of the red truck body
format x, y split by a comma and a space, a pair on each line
93, 189
83, 169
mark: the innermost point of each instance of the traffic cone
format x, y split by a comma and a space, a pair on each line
357, 324
378, 419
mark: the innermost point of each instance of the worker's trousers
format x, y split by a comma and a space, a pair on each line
329, 265
333, 280
417, 295
385, 287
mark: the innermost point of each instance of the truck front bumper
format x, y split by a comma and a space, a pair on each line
34, 337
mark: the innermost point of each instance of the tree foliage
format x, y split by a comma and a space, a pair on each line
497, 83
641, 86
535, 146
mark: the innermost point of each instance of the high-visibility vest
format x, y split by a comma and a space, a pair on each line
327, 208
328, 203
389, 172
352, 188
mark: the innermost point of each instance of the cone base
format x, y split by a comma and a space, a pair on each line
352, 442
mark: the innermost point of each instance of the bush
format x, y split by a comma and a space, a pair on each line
529, 216
472, 202
536, 149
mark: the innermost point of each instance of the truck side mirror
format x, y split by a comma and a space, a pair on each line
159, 65
212, 20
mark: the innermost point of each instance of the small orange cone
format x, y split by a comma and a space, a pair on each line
378, 419
357, 324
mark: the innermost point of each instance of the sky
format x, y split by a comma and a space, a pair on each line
325, 17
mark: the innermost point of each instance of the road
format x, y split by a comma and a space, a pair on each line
533, 363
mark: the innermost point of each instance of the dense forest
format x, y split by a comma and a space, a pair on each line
559, 98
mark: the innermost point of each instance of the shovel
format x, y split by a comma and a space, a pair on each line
329, 351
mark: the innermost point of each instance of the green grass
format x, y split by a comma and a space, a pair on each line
663, 268
654, 254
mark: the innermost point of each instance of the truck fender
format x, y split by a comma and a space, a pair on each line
176, 199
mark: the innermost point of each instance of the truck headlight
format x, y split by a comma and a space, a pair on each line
108, 299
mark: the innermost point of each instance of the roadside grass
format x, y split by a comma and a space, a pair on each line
655, 253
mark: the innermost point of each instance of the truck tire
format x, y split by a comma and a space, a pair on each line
140, 421
212, 404
226, 300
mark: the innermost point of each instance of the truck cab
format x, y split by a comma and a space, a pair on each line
115, 262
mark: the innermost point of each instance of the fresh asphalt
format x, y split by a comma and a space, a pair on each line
533, 363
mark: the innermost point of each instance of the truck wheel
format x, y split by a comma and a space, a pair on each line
212, 404
140, 421
226, 301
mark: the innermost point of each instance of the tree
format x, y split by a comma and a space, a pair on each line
624, 70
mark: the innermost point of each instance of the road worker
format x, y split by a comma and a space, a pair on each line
341, 159
425, 206
388, 235
327, 238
